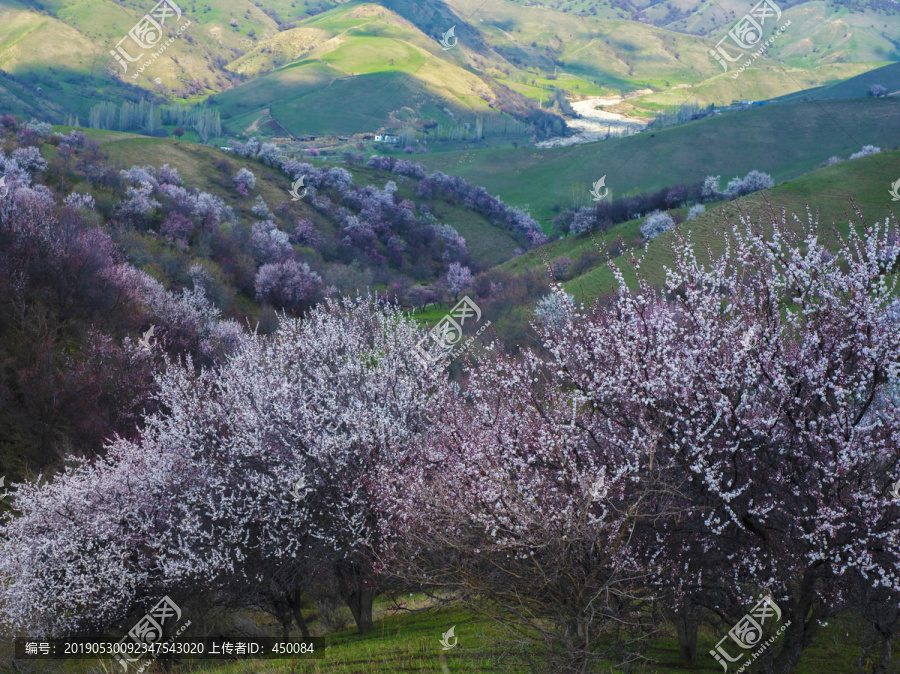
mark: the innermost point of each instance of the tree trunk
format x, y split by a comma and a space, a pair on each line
804, 613
884, 654
360, 603
293, 599
358, 597
686, 618
284, 617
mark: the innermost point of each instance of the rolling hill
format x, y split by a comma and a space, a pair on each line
832, 193
323, 67
696, 16
356, 68
854, 87
197, 164
783, 140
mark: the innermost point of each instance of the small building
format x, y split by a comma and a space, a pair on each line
387, 138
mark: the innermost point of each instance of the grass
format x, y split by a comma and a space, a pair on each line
831, 192
405, 641
487, 245
62, 46
360, 67
355, 68
887, 76
765, 80
783, 140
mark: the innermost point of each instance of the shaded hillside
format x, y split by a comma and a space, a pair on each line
887, 76
319, 67
360, 68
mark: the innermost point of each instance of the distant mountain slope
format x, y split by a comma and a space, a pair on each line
64, 48
19, 98
358, 68
696, 16
323, 66
855, 87
768, 79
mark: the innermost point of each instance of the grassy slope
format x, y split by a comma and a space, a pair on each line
487, 245
19, 98
45, 52
527, 49
831, 191
823, 32
65, 47
831, 31
410, 642
625, 55
887, 76
65, 51
822, 45
360, 66
783, 140
766, 80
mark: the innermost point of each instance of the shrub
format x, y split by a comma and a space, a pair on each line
40, 129
166, 175
73, 139
696, 210
752, 182
561, 267
553, 310
286, 284
261, 210
246, 178
268, 243
655, 224
865, 151
458, 278
141, 176
77, 200
269, 154
177, 227
710, 190
29, 159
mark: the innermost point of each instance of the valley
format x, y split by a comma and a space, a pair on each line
450, 335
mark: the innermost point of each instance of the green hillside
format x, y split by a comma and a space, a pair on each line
702, 18
832, 192
64, 49
197, 164
361, 67
782, 140
390, 71
768, 79
19, 98
887, 76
